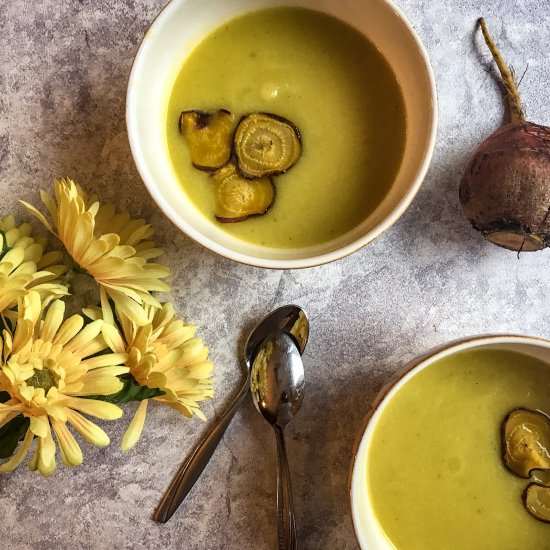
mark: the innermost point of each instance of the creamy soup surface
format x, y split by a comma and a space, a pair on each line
435, 472
333, 84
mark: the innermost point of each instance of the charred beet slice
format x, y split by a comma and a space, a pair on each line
536, 499
526, 441
237, 198
208, 136
266, 145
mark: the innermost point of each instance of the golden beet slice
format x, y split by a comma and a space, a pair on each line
208, 136
266, 145
237, 198
526, 441
536, 499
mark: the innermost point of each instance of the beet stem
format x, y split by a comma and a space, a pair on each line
512, 94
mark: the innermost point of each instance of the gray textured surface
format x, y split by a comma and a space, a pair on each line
63, 71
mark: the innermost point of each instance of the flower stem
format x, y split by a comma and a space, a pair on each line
512, 94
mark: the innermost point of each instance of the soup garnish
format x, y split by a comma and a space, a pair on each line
536, 499
208, 136
237, 198
266, 145
526, 436
526, 452
263, 145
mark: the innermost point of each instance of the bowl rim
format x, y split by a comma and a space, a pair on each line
417, 364
279, 263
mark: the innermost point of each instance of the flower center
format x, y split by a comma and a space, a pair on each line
43, 378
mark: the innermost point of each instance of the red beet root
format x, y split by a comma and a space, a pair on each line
505, 189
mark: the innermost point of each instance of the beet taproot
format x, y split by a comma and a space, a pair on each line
505, 188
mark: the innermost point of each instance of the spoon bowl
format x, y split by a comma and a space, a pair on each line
277, 379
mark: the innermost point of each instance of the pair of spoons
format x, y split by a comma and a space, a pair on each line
275, 377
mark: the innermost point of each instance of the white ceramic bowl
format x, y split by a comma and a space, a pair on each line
174, 35
367, 529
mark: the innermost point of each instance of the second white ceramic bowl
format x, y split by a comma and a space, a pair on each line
367, 529
173, 36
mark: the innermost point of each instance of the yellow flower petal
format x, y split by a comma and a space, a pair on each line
49, 202
142, 338
99, 384
40, 426
135, 428
33, 463
39, 216
199, 413
106, 360
33, 251
113, 338
128, 307
92, 348
23, 333
15, 257
69, 329
19, 455
149, 299
53, 320
10, 406
85, 336
99, 409
57, 413
201, 370
46, 458
156, 380
89, 431
92, 312
176, 338
50, 259
182, 409
106, 310
97, 249
71, 452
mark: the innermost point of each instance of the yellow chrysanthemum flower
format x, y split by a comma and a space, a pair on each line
47, 367
162, 354
24, 266
112, 248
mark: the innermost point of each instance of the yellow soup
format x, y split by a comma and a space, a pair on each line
333, 84
435, 472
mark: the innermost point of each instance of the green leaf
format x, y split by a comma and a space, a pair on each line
131, 391
11, 434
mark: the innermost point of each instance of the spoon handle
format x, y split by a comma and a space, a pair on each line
192, 468
286, 523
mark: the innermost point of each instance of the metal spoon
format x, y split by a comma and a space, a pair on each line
288, 319
277, 386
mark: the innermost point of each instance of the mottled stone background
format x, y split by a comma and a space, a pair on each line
63, 71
